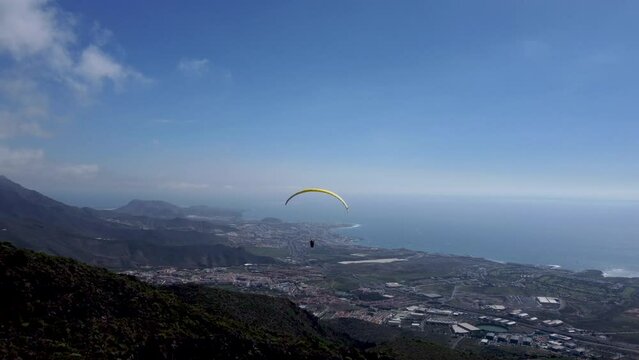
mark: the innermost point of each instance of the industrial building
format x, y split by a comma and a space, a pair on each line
553, 322
432, 296
393, 285
416, 308
547, 300
458, 330
469, 327
395, 322
560, 337
439, 311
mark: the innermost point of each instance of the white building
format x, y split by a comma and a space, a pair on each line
547, 300
469, 327
458, 330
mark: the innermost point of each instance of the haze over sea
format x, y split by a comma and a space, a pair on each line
574, 234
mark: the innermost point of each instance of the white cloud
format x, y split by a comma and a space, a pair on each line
22, 108
10, 126
33, 27
95, 66
45, 62
33, 163
79, 170
101, 36
11, 159
193, 67
184, 186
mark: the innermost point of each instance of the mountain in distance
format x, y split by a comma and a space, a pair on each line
165, 210
31, 220
151, 208
58, 308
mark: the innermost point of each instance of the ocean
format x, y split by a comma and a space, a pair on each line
573, 234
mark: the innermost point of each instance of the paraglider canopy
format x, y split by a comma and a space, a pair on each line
324, 191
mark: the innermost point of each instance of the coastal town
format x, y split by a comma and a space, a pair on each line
468, 301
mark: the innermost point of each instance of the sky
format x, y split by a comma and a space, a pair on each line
102, 101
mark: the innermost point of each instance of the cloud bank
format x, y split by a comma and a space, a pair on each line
44, 63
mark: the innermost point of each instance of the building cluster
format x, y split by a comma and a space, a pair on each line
277, 235
391, 303
414, 305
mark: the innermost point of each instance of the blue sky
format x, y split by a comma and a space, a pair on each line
214, 99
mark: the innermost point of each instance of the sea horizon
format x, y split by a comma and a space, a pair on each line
573, 235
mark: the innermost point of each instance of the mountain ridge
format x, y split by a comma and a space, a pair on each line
32, 220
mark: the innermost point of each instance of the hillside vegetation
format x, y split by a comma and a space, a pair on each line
57, 308
54, 307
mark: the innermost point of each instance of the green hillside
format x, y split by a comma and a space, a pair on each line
57, 308
54, 307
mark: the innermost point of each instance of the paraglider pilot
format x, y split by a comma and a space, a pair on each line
328, 192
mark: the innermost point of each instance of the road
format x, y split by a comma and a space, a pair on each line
453, 294
456, 342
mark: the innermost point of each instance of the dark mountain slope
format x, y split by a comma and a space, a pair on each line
20, 203
32, 220
55, 307
58, 308
291, 326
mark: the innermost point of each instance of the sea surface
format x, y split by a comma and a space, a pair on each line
573, 234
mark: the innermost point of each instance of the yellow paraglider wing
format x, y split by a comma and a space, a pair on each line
328, 192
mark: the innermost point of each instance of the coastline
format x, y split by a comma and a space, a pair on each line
620, 272
609, 272
347, 226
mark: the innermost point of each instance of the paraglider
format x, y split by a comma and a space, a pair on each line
328, 192
324, 191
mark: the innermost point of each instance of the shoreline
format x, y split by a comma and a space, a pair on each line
610, 272
346, 226
620, 273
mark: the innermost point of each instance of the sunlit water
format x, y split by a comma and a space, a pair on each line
573, 234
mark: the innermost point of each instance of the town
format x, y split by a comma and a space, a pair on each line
469, 302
